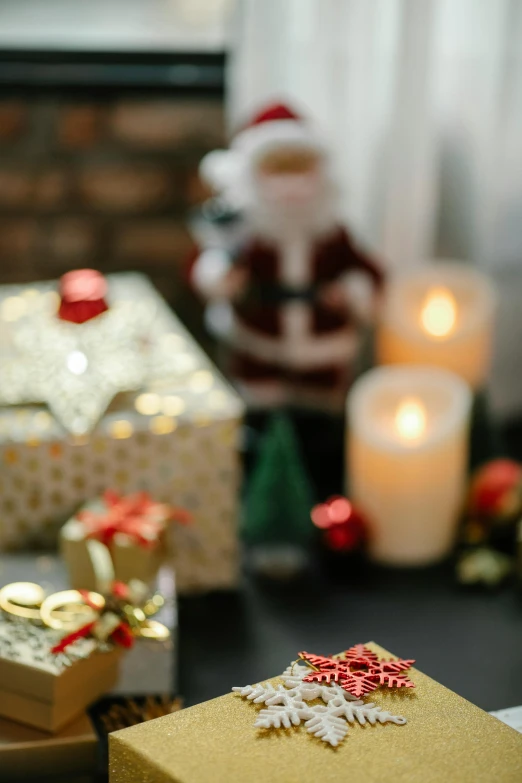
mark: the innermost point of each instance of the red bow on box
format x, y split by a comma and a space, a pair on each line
82, 295
120, 617
137, 516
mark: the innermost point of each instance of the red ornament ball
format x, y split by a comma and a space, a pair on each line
344, 527
496, 488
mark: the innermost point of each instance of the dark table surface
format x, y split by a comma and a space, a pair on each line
471, 642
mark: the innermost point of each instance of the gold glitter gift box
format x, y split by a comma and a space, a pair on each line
127, 401
446, 739
44, 690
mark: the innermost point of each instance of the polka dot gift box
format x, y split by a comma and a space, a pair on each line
124, 401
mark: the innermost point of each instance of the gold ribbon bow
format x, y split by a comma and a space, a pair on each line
119, 612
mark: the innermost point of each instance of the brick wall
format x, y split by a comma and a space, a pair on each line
105, 184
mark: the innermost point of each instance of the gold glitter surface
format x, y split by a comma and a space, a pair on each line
446, 739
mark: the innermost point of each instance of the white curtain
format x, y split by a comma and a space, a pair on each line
422, 103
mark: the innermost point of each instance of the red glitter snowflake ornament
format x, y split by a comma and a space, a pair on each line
358, 671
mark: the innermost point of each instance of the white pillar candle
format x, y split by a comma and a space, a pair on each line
442, 315
407, 459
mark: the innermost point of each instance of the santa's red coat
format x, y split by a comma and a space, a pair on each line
281, 330
281, 320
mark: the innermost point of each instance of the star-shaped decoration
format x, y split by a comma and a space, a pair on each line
358, 670
77, 369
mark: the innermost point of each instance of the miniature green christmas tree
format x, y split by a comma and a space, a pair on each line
279, 496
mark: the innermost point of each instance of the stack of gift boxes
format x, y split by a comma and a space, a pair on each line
43, 700
119, 443
52, 721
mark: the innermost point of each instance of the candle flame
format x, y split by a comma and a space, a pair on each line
439, 312
410, 419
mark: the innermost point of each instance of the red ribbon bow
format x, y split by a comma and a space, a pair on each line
122, 633
137, 516
82, 294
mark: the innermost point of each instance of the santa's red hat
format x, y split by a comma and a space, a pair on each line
276, 125
273, 112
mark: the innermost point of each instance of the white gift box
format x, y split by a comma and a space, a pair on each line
176, 437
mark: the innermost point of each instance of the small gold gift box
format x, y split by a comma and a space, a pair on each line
47, 690
131, 559
444, 739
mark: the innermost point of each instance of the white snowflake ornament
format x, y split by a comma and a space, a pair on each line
290, 705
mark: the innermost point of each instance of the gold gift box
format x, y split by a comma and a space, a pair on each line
30, 754
130, 560
445, 739
44, 690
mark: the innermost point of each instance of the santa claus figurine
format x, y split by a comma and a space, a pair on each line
289, 293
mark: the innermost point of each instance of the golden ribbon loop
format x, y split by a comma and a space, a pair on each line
130, 606
22, 599
152, 629
69, 609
